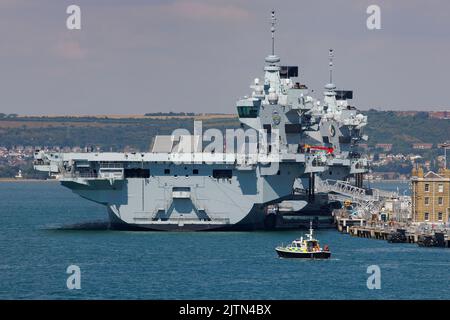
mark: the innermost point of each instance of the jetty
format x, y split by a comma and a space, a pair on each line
392, 231
422, 218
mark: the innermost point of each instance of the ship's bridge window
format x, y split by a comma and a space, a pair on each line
247, 111
222, 173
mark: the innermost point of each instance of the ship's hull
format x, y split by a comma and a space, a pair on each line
187, 202
303, 255
252, 222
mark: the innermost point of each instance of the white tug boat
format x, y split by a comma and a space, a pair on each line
308, 248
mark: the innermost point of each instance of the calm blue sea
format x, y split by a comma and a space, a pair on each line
45, 228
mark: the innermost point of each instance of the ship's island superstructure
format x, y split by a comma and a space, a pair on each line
300, 139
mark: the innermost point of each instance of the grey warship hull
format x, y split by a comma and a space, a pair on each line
251, 222
286, 141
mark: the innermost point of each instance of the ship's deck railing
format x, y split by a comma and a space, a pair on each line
111, 165
342, 187
79, 175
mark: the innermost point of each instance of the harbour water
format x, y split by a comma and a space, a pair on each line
402, 187
45, 228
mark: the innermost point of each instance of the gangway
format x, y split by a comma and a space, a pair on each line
366, 204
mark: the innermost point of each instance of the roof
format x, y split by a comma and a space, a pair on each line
433, 175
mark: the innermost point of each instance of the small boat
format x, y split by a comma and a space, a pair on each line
308, 248
19, 175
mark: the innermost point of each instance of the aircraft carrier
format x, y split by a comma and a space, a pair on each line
260, 176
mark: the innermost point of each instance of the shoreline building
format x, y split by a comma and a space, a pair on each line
430, 196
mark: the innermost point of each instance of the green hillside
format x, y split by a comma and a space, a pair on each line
402, 131
116, 134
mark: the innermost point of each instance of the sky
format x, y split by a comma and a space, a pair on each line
136, 56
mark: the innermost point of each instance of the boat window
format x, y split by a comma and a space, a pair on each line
137, 173
247, 112
222, 173
166, 171
195, 171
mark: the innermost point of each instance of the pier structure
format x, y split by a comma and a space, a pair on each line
382, 215
392, 231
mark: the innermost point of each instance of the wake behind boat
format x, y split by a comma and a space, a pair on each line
308, 248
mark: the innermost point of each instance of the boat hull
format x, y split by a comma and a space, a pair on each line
303, 255
253, 221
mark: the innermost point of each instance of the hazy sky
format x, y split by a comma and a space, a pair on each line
136, 56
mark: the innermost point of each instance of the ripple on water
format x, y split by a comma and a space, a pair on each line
45, 228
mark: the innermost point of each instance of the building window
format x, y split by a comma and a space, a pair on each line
440, 201
440, 216
440, 187
427, 201
427, 216
427, 187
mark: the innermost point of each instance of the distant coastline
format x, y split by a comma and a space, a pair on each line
26, 180
390, 181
